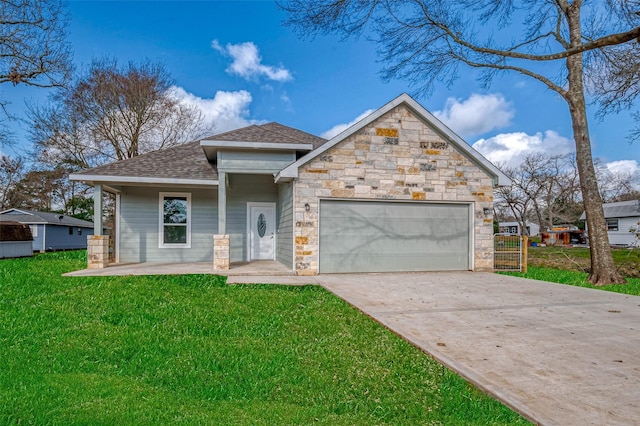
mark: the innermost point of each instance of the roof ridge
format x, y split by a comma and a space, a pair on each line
294, 129
280, 134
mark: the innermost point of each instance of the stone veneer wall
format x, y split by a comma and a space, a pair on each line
397, 157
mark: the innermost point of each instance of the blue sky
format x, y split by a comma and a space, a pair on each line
238, 62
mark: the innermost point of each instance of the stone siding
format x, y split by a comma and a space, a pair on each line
397, 157
97, 251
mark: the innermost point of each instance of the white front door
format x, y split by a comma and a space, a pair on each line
261, 218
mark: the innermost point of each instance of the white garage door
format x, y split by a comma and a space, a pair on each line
373, 236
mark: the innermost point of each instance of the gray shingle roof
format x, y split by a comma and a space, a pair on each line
270, 133
622, 209
180, 162
31, 217
619, 209
188, 161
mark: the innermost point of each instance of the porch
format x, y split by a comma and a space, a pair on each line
256, 268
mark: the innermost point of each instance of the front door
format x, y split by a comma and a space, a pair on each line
261, 230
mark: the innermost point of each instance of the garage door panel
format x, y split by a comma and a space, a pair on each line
357, 236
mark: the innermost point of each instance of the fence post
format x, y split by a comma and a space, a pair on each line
525, 253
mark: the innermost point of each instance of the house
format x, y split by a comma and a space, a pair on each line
532, 229
621, 217
397, 191
51, 231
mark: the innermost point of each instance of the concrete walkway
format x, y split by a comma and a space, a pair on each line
248, 269
559, 355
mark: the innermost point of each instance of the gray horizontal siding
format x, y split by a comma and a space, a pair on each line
57, 237
38, 238
284, 248
254, 161
243, 189
9, 249
139, 223
624, 236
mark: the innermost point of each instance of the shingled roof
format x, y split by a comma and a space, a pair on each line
619, 209
270, 133
622, 209
179, 162
31, 217
189, 162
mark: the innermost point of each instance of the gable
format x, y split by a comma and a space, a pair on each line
397, 156
421, 119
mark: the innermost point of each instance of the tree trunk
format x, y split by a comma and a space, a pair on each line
603, 270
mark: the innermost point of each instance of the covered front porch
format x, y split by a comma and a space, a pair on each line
256, 268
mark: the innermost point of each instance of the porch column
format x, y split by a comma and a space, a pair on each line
97, 210
97, 244
220, 252
221, 244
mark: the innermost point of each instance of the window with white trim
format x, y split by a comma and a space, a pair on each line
612, 224
34, 230
175, 219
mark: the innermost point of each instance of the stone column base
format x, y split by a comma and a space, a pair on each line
221, 252
97, 251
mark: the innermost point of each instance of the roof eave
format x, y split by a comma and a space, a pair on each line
128, 180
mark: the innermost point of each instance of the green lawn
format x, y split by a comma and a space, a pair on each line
578, 259
192, 350
569, 265
577, 278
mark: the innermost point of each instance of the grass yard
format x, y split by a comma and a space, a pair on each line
578, 259
192, 350
577, 278
569, 265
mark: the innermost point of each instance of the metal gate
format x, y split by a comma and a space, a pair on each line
509, 253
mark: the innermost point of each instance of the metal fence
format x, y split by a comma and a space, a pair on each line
509, 253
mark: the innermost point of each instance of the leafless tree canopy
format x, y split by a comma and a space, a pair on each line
560, 43
112, 113
33, 46
33, 49
545, 190
11, 172
425, 41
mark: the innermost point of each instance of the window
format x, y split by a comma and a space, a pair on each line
612, 224
71, 230
79, 231
34, 230
175, 219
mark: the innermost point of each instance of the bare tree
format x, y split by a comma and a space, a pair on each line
11, 172
522, 198
33, 46
617, 185
112, 113
425, 41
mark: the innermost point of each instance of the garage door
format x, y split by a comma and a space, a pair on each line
363, 236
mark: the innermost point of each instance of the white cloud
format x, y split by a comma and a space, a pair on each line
247, 62
624, 167
477, 115
510, 149
339, 128
227, 110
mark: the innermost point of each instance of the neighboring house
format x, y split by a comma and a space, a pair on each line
51, 231
532, 229
397, 191
620, 217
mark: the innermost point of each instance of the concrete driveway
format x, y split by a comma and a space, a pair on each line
559, 355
